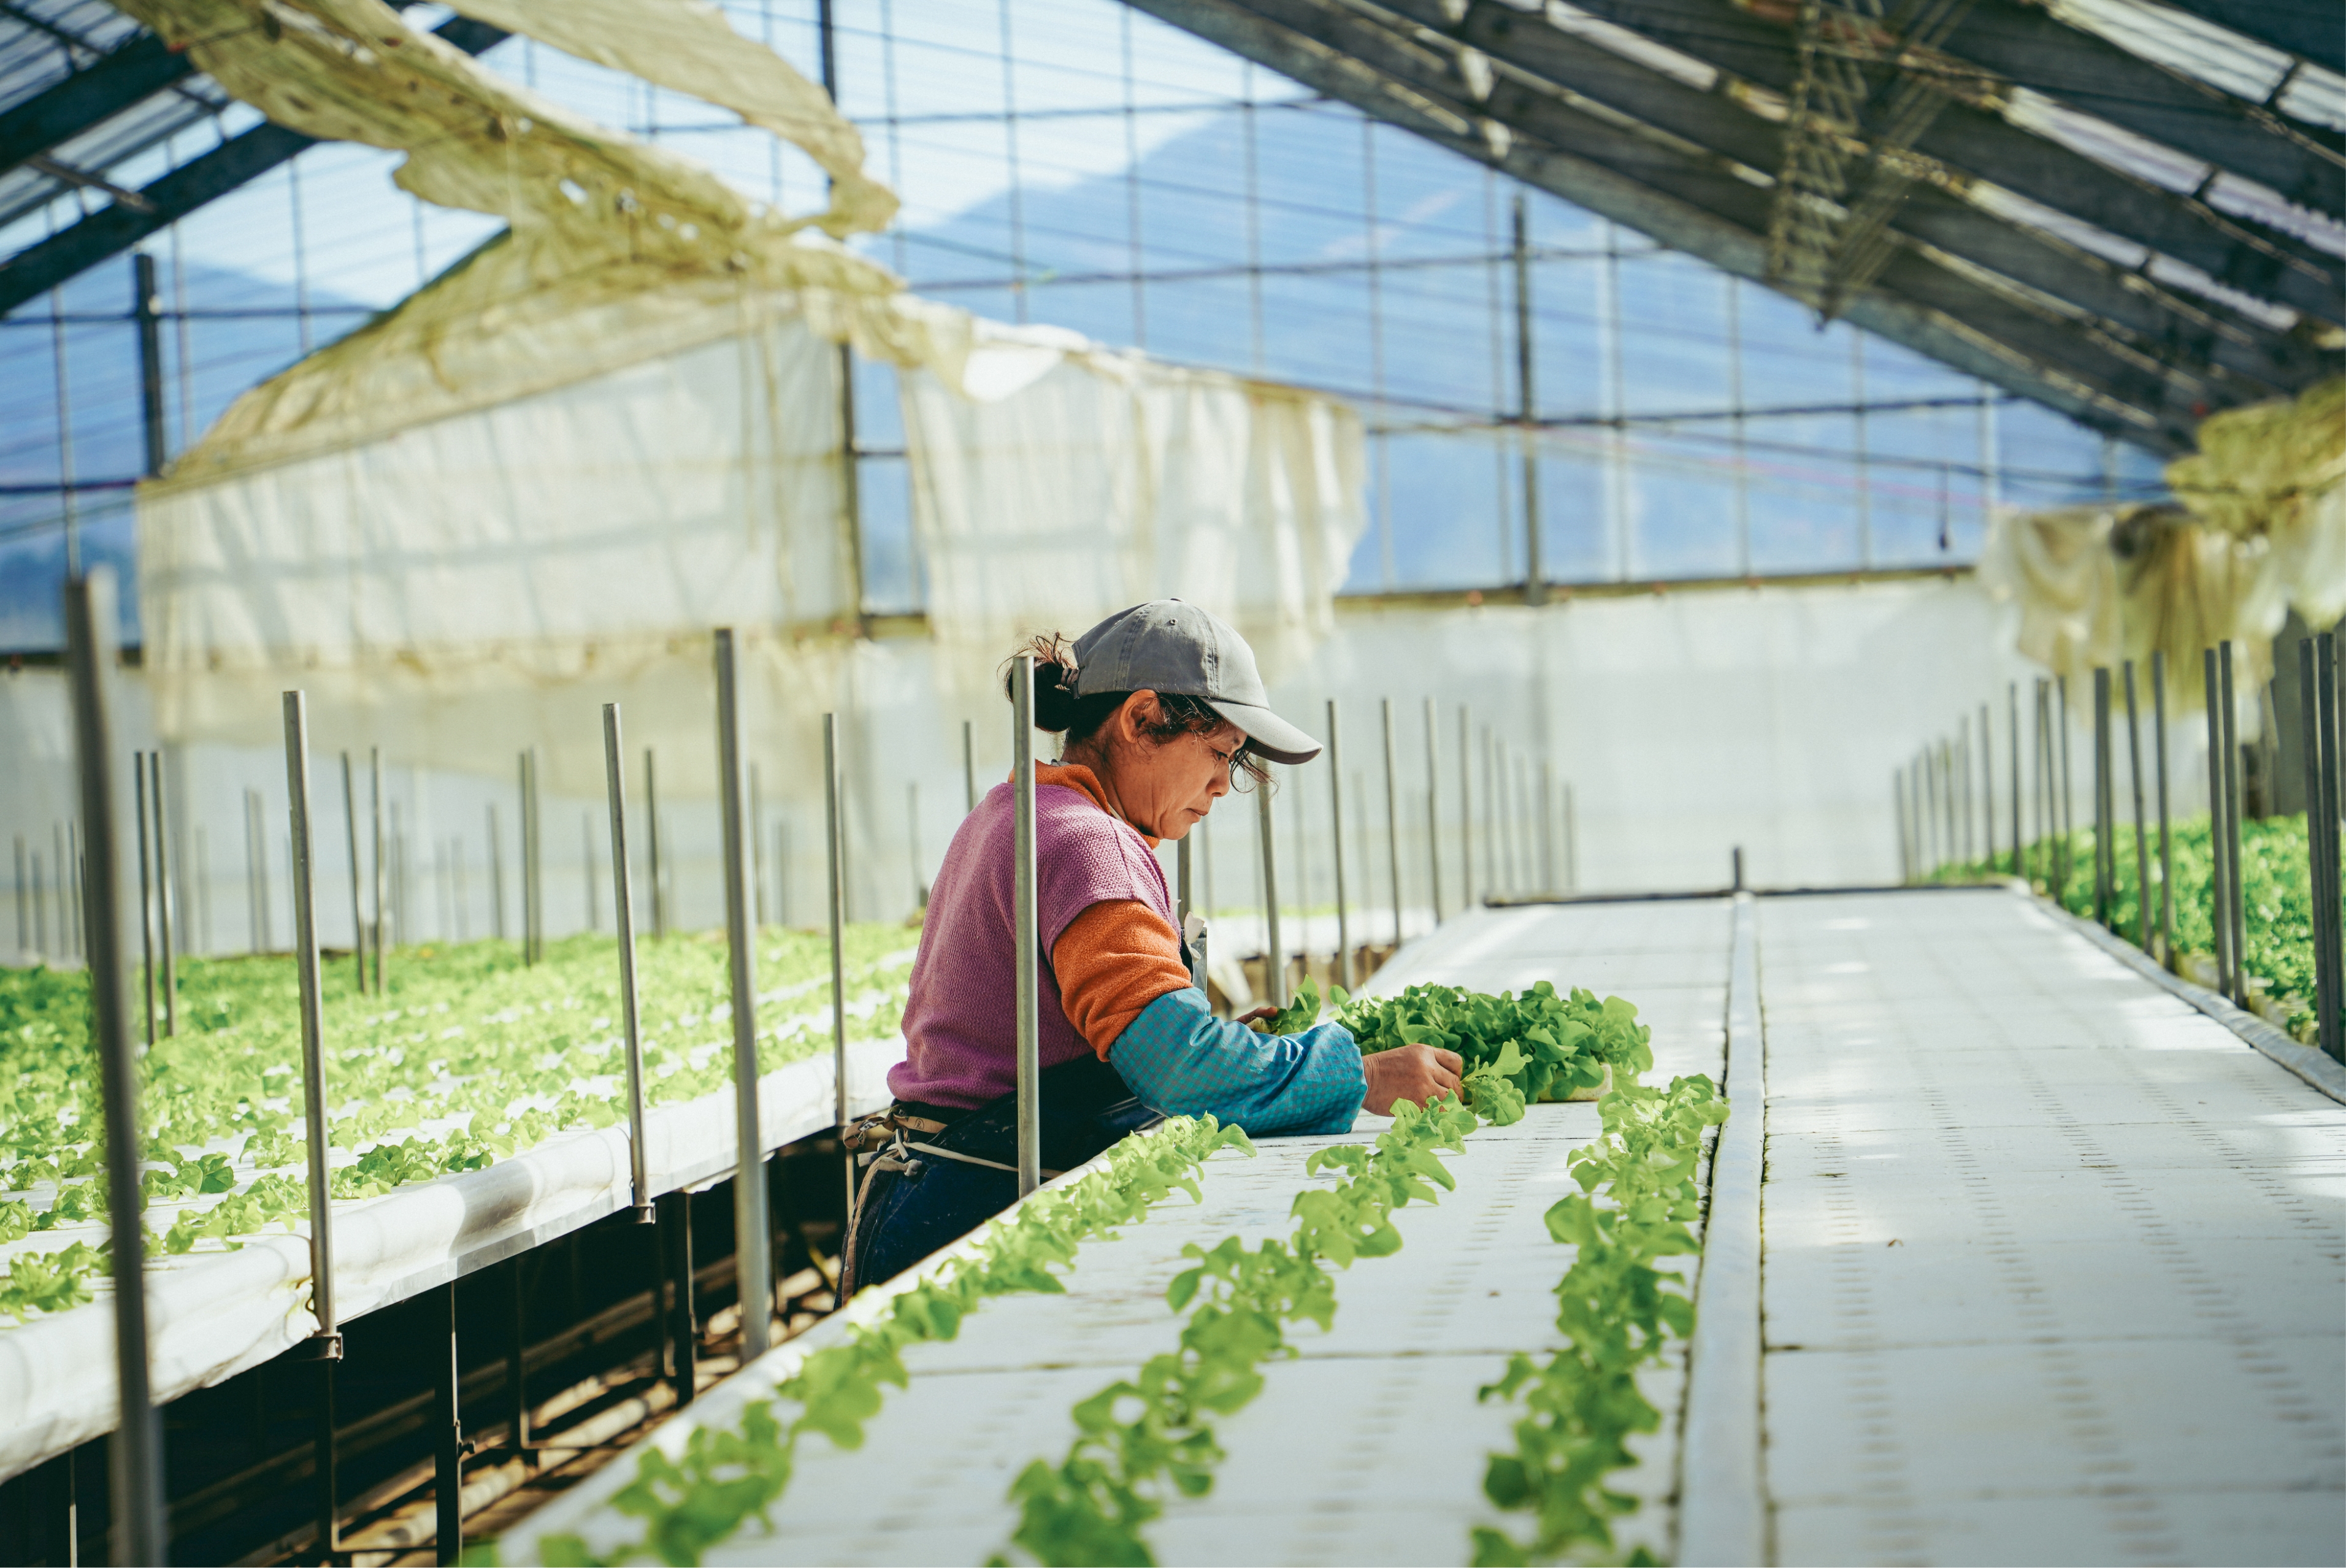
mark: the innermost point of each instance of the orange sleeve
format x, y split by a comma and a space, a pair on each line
1112, 961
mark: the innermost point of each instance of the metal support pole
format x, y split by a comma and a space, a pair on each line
517, 1354
146, 896
496, 876
2105, 865
1503, 813
683, 1334
1392, 815
350, 841
836, 914
753, 1231
2068, 795
1571, 843
375, 861
1274, 957
1898, 810
23, 927
140, 1533
2220, 914
968, 767
2041, 788
1930, 765
1526, 412
623, 905
2327, 746
1181, 903
1432, 809
2166, 851
2019, 835
448, 1432
1336, 838
1028, 941
2319, 840
1465, 809
533, 868
150, 360
166, 905
2141, 834
757, 831
1490, 817
912, 842
1987, 788
652, 845
2237, 886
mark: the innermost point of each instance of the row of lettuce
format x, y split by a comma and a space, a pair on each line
1143, 1442
2276, 882
468, 1056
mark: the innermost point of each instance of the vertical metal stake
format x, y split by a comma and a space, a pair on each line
623, 905
2237, 886
146, 895
1027, 942
375, 861
2220, 914
2141, 838
166, 908
1274, 957
1433, 807
836, 915
448, 1431
2166, 852
140, 1533
1465, 809
968, 767
753, 1233
1336, 838
1392, 815
351, 839
652, 845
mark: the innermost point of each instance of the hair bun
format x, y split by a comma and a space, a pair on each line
1054, 696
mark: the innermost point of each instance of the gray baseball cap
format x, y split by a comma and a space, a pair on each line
1166, 645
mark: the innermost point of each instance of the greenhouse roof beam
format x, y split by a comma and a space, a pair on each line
1702, 205
107, 233
2310, 32
88, 97
2239, 252
2028, 47
2203, 336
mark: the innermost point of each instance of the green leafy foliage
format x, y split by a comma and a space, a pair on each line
1143, 1440
1562, 1040
470, 1057
724, 1476
1615, 1310
2276, 880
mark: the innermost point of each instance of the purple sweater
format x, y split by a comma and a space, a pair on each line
961, 1021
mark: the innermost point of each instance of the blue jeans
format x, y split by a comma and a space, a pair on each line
908, 1214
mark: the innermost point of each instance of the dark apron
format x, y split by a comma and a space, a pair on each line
914, 1197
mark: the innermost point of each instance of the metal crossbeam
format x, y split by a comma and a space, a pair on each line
2310, 31
55, 115
2207, 338
2028, 47
238, 161
1706, 206
2236, 251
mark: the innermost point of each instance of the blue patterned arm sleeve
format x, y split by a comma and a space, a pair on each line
1181, 1060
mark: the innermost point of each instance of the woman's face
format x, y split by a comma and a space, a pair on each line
1165, 788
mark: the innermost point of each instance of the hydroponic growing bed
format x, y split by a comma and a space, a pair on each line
477, 1110
1444, 1338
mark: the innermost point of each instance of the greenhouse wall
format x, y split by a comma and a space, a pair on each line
1688, 724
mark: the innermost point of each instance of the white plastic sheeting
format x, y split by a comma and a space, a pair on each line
1110, 480
214, 1314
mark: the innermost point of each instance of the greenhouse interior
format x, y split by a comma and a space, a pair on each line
1758, 585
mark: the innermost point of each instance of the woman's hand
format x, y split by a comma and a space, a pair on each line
1419, 1074
1256, 1015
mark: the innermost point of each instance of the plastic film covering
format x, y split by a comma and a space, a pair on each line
2261, 530
1110, 480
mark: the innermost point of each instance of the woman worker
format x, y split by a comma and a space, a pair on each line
1162, 709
